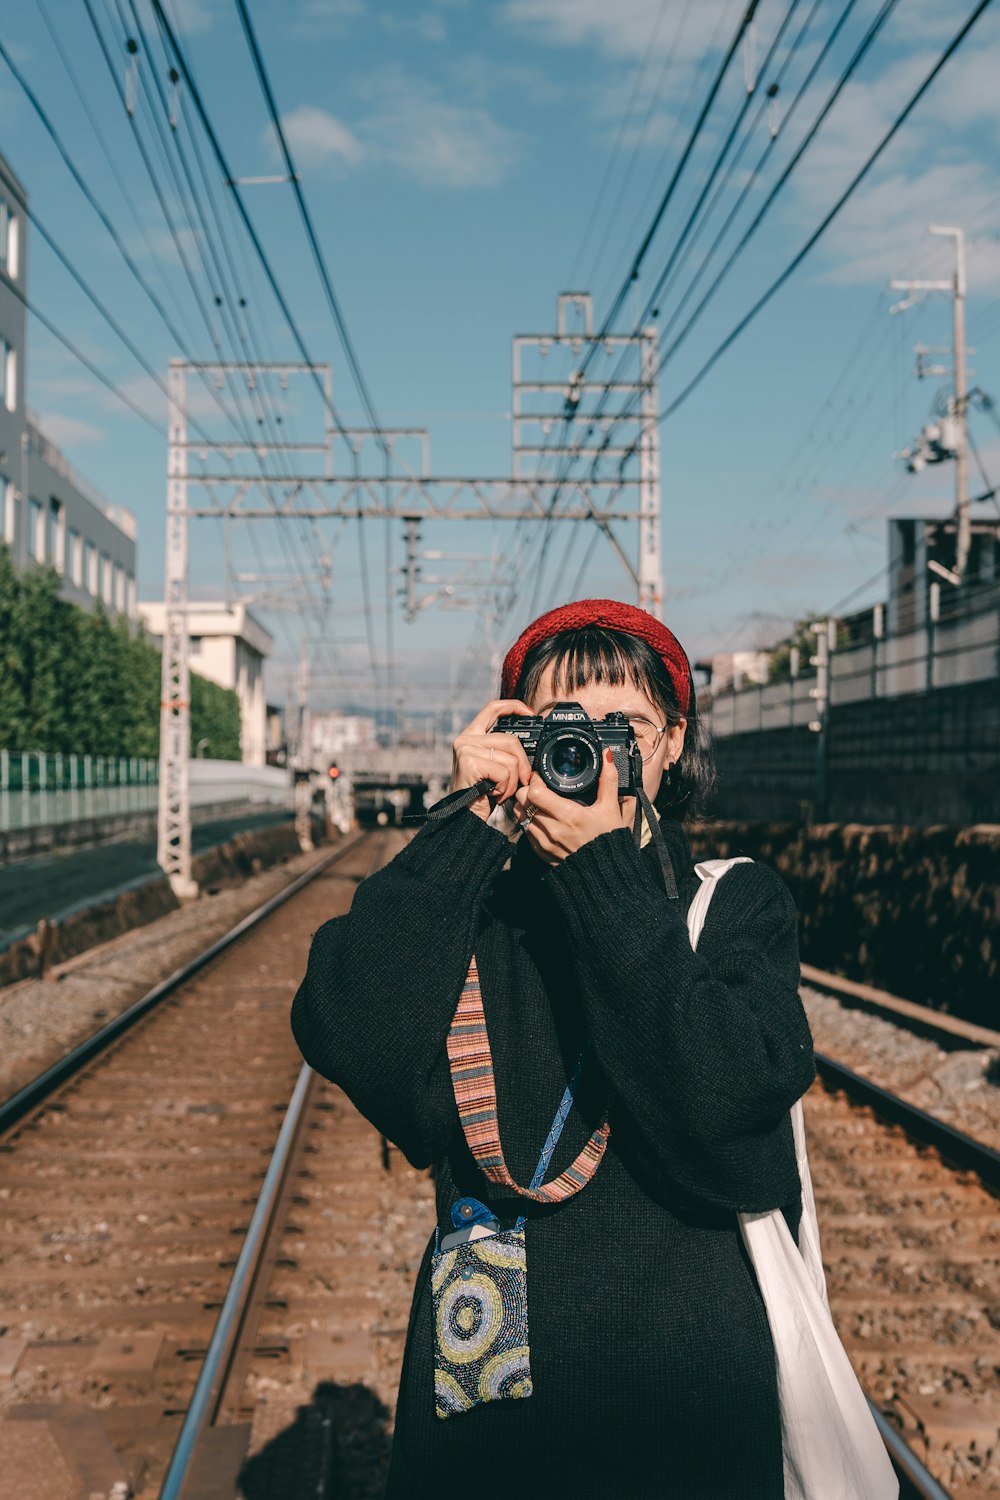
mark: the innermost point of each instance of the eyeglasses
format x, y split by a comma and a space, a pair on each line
647, 735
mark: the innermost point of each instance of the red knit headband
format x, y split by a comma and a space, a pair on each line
613, 616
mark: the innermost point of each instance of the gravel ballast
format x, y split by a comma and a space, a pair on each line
957, 1084
42, 1019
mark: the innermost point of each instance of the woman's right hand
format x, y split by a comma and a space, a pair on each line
478, 755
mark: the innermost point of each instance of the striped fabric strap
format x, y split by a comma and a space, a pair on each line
476, 1096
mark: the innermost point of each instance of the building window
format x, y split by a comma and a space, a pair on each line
119, 588
90, 568
7, 508
76, 558
36, 531
9, 225
908, 540
107, 591
55, 540
130, 597
8, 375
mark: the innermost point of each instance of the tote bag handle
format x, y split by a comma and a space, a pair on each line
831, 1446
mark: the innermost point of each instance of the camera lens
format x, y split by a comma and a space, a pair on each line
569, 762
569, 759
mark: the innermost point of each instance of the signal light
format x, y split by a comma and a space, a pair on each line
333, 771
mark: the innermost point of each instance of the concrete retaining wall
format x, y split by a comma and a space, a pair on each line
917, 759
243, 855
912, 910
84, 833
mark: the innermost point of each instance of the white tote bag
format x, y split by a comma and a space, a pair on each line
831, 1445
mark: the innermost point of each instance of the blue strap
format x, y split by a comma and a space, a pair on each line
543, 1161
556, 1130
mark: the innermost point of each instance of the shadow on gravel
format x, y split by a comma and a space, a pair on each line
336, 1449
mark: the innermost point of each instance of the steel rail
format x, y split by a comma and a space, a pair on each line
37, 1091
958, 1149
943, 1027
228, 1324
916, 1481
209, 1390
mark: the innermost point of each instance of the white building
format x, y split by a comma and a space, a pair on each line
48, 512
228, 646
730, 669
334, 734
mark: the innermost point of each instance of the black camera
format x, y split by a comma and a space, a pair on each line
567, 748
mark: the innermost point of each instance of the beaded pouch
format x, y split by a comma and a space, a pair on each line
480, 1291
480, 1285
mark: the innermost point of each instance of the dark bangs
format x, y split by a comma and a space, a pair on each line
596, 654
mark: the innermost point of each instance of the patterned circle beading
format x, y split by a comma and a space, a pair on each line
506, 1375
468, 1318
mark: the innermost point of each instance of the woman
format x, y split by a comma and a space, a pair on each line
651, 1364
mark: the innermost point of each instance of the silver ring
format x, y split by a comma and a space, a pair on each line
529, 813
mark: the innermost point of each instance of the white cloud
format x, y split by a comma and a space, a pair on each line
315, 136
407, 124
482, 77
194, 15
187, 16
938, 169
884, 231
327, 17
158, 241
432, 140
69, 432
426, 25
625, 28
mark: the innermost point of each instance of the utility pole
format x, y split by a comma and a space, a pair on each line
825, 633
937, 443
961, 411
650, 563
173, 841
303, 757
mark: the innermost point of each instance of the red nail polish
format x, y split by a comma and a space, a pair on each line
608, 757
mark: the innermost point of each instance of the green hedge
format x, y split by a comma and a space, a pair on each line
77, 681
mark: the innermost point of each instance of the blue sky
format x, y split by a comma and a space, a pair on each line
452, 153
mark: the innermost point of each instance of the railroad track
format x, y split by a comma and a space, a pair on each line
128, 1186
908, 1216
207, 1287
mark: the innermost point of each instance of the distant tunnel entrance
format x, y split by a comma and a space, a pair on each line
381, 804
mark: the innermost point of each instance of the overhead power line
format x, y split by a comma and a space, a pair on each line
692, 140
330, 294
619, 137
851, 67
717, 165
84, 187
307, 222
230, 180
863, 47
84, 359
828, 219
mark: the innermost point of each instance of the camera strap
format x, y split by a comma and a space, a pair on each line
455, 802
475, 1089
644, 806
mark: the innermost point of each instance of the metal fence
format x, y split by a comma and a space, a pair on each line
38, 790
944, 653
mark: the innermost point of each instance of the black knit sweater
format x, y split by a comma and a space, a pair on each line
652, 1363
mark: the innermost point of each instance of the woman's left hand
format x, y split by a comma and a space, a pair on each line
559, 826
